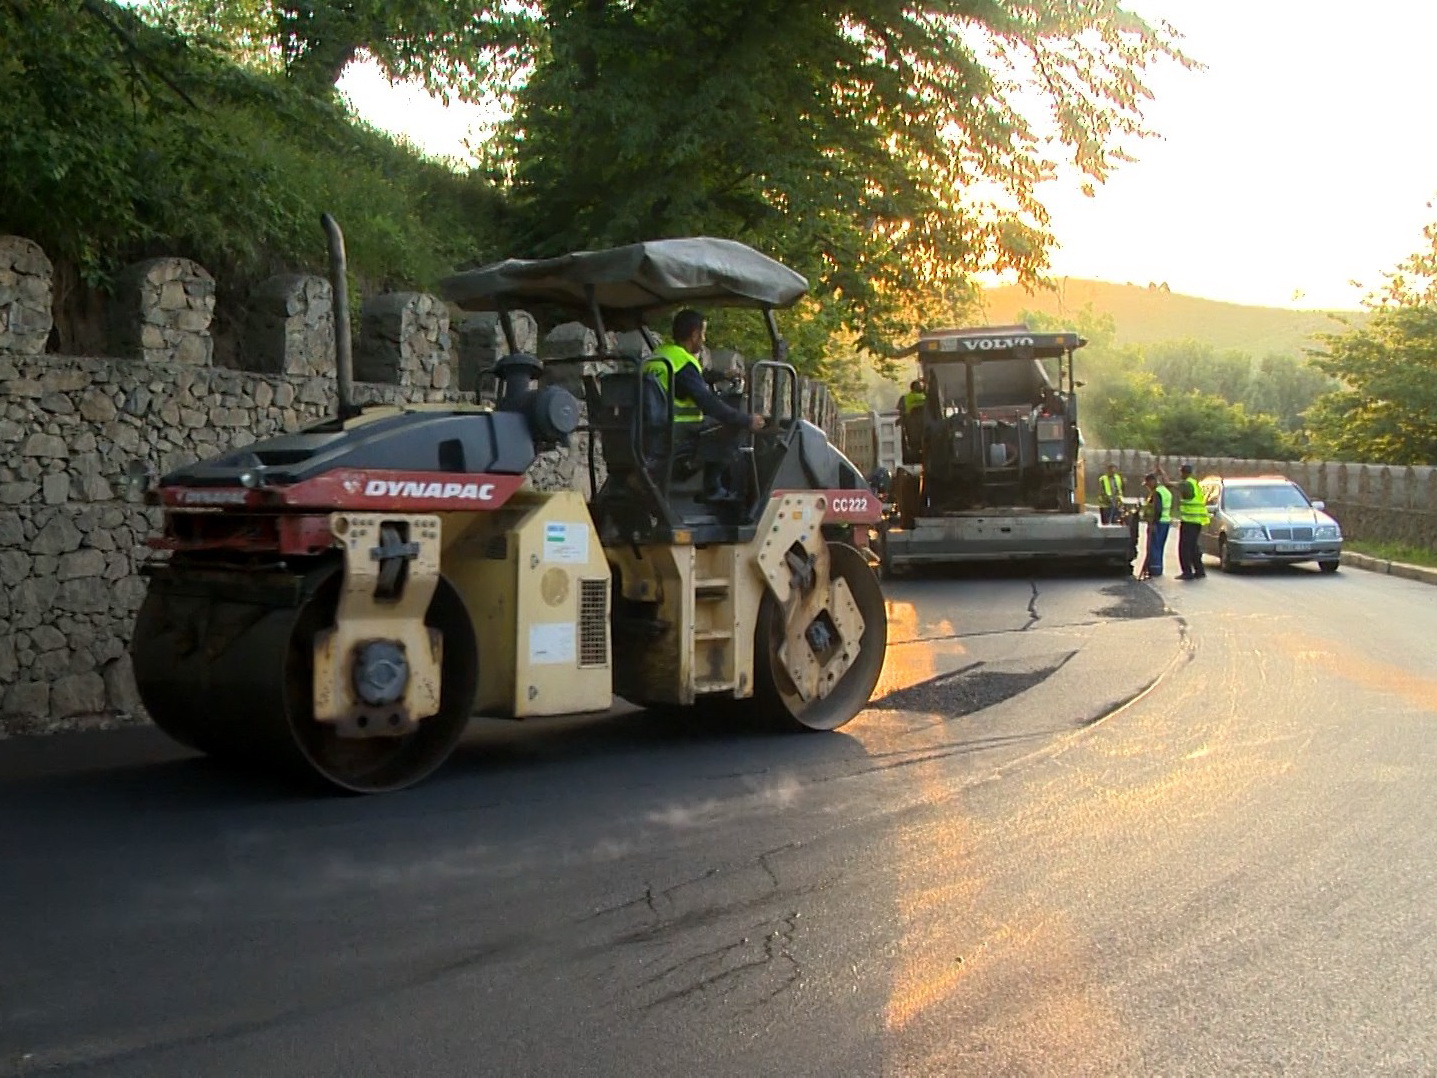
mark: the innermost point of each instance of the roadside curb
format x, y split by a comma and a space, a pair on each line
1420, 573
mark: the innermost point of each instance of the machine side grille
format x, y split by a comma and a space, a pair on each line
1302, 535
1279, 533
593, 623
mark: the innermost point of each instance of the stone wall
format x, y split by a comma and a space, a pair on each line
1375, 502
70, 543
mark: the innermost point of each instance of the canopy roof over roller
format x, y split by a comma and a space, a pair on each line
638, 277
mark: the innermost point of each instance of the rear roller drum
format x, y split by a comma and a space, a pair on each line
774, 694
246, 693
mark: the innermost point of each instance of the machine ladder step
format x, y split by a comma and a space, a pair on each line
711, 588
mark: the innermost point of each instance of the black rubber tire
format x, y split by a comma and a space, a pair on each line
1329, 566
1224, 559
785, 710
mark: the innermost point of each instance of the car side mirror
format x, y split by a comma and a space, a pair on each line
1319, 506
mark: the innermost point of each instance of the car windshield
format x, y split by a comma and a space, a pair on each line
1272, 496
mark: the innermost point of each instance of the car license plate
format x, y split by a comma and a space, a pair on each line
1293, 548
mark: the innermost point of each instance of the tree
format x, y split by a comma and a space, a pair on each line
1387, 412
1196, 424
470, 50
1184, 366
884, 149
1285, 386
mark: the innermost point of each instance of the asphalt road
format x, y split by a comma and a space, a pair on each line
1089, 826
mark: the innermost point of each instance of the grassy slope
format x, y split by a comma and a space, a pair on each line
1144, 316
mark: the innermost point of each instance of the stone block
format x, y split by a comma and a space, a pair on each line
17, 493
15, 566
162, 311
290, 327
47, 638
84, 595
27, 699
44, 445
97, 407
56, 488
26, 315
59, 536
79, 564
77, 694
121, 693
403, 338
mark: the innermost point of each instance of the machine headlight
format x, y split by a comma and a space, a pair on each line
1249, 533
1327, 531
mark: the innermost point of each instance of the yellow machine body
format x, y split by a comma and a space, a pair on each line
536, 583
707, 600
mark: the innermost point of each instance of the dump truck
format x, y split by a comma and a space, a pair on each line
339, 601
993, 465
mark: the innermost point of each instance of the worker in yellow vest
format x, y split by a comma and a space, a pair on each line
1110, 504
1158, 512
910, 407
694, 402
1192, 516
915, 398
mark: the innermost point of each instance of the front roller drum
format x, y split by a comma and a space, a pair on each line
235, 679
775, 692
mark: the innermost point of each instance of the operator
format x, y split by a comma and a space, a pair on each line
694, 401
910, 407
915, 398
1158, 512
1111, 485
1192, 516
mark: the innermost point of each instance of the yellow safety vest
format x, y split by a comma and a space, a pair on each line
1192, 509
912, 401
685, 410
1165, 503
1112, 486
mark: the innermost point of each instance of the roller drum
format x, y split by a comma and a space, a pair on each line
234, 679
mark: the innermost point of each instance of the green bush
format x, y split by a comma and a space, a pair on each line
129, 141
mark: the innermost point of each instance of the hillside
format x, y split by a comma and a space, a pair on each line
1145, 315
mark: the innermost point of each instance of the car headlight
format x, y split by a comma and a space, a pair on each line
1248, 533
1327, 531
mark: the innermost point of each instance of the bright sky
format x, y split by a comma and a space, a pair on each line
1299, 161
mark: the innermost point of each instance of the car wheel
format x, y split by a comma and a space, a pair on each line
1328, 566
1224, 556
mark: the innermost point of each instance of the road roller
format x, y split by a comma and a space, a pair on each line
338, 602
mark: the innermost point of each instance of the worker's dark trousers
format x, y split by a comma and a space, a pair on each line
1188, 556
1157, 540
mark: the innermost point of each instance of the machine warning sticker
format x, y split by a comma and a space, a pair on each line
552, 642
566, 542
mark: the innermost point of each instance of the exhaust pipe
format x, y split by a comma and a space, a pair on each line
343, 354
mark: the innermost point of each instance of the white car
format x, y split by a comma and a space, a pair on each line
1265, 520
